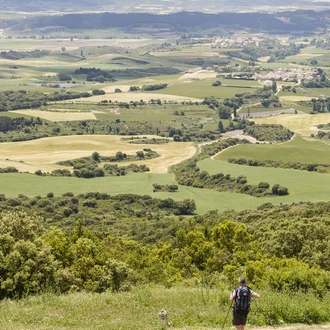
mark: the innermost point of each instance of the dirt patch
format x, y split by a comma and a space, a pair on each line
115, 111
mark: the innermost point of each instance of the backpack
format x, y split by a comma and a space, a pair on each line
242, 299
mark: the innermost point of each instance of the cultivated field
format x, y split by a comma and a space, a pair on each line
297, 150
120, 51
58, 114
303, 124
44, 153
303, 186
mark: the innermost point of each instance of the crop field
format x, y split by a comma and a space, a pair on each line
295, 98
303, 186
57, 44
44, 153
138, 183
297, 150
193, 84
319, 91
303, 124
137, 96
202, 89
58, 115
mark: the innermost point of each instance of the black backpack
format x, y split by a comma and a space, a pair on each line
242, 299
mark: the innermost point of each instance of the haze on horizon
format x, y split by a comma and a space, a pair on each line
162, 6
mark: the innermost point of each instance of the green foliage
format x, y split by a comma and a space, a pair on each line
169, 188
88, 167
153, 87
187, 173
321, 168
13, 100
17, 55
269, 132
27, 265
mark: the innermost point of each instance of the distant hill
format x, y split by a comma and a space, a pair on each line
160, 6
188, 22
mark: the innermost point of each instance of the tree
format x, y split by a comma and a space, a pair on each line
274, 87
64, 77
313, 62
220, 127
27, 265
140, 154
224, 112
116, 276
187, 207
96, 156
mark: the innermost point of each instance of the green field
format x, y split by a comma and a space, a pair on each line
297, 150
303, 186
206, 199
202, 89
113, 49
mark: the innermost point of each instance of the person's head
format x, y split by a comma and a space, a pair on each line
242, 281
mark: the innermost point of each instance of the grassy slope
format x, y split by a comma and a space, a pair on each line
297, 150
206, 199
303, 124
303, 186
187, 308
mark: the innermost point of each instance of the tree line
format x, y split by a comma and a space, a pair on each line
310, 167
189, 174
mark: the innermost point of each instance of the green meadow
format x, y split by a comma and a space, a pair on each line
202, 89
115, 50
189, 307
32, 185
297, 150
303, 186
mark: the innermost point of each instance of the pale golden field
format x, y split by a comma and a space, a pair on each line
111, 89
201, 75
57, 115
57, 44
303, 124
29, 156
295, 98
136, 96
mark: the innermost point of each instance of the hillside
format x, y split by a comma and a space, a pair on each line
193, 22
162, 6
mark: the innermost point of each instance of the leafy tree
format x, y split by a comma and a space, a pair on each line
96, 156
224, 112
116, 276
64, 77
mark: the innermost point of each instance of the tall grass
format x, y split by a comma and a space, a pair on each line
187, 308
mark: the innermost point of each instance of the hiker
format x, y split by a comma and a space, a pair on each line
241, 297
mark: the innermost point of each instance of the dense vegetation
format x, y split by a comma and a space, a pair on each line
274, 243
90, 167
270, 133
96, 74
289, 22
188, 173
13, 100
321, 168
95, 242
